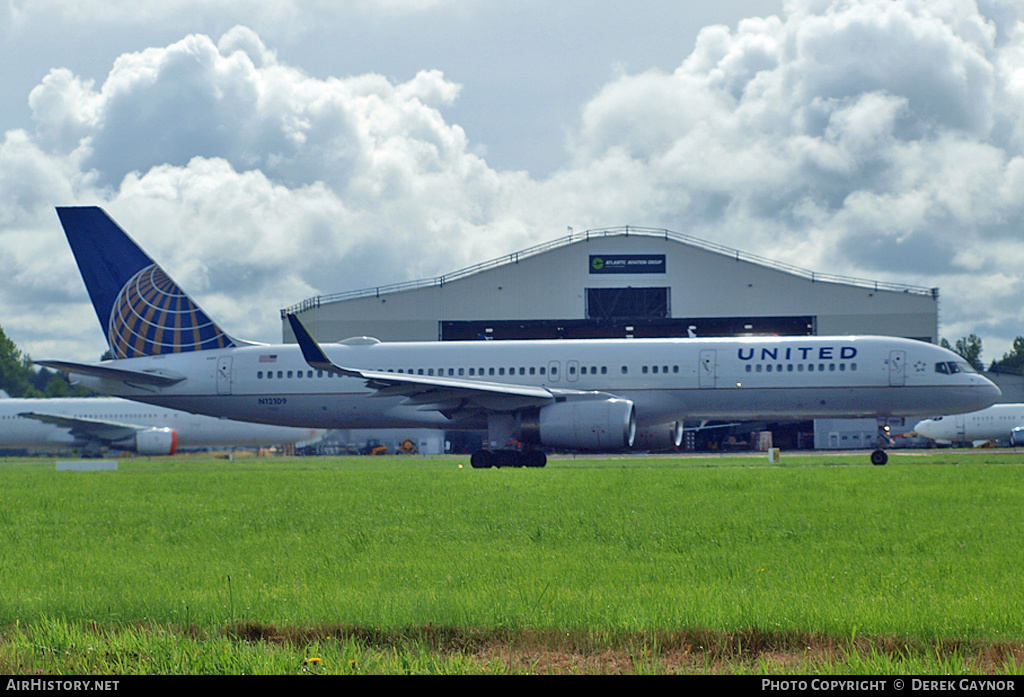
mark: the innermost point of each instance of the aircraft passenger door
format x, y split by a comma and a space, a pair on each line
224, 375
572, 370
897, 368
961, 428
707, 370
554, 371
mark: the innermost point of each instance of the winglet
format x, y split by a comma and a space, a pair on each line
311, 351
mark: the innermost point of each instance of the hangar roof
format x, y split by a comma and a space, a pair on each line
621, 231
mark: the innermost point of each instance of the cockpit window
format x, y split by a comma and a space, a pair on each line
953, 367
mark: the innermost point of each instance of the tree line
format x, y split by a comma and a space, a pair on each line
969, 348
19, 378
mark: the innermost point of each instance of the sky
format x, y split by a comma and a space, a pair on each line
265, 151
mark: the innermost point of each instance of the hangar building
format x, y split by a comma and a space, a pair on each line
623, 282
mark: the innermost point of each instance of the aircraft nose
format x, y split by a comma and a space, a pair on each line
992, 390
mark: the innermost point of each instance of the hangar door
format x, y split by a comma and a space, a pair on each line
627, 303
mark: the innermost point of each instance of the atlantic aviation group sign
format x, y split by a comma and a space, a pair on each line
627, 263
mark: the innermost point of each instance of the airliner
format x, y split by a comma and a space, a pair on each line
90, 424
589, 395
997, 422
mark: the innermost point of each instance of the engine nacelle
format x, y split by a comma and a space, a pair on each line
591, 424
156, 441
659, 438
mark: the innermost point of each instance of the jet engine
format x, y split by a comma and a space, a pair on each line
1017, 436
156, 441
590, 424
659, 438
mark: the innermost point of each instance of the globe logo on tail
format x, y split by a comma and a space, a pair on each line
153, 316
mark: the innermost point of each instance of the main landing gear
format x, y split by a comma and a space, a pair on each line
879, 456
483, 459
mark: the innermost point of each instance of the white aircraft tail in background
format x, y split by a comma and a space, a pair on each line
571, 394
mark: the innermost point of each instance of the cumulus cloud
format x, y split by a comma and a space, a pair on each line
876, 138
253, 183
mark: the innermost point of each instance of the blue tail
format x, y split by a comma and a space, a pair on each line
142, 310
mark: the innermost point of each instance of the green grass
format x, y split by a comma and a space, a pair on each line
414, 565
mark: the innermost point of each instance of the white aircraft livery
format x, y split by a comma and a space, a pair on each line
92, 423
568, 394
997, 422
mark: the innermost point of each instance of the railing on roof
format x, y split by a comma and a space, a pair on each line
621, 231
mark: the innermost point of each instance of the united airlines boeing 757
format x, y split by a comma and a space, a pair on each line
91, 424
570, 394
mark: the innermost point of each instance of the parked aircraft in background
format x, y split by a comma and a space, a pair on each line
997, 422
570, 394
90, 424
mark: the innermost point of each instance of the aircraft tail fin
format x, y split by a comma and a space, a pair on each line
141, 309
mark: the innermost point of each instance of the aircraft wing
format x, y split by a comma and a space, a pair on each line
132, 377
435, 392
86, 429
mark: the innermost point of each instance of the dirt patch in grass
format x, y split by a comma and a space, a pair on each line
681, 652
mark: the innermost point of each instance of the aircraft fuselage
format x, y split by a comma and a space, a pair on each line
666, 379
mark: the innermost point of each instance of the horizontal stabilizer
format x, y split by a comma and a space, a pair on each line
135, 377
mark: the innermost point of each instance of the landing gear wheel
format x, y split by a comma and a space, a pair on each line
879, 457
534, 458
481, 459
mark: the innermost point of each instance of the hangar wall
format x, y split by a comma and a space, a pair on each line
623, 282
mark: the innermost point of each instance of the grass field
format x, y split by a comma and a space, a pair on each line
821, 564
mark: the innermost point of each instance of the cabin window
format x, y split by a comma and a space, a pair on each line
259, 374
